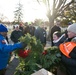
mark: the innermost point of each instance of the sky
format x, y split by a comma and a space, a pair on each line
31, 10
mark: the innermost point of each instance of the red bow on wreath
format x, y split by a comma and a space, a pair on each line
23, 53
44, 52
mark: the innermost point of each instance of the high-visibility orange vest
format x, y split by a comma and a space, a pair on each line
66, 48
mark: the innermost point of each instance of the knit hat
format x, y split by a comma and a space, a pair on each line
72, 28
16, 26
3, 28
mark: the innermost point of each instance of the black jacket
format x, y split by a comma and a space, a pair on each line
70, 63
53, 29
60, 40
40, 34
15, 35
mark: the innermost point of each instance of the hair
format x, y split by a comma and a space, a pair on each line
57, 33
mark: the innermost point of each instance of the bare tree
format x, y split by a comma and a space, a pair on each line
58, 7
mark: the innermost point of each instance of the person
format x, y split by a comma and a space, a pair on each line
6, 48
16, 34
68, 50
32, 29
21, 27
69, 23
53, 29
65, 32
26, 30
40, 33
58, 38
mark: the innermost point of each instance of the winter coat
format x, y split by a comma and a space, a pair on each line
40, 34
32, 30
70, 63
60, 40
53, 29
5, 50
15, 35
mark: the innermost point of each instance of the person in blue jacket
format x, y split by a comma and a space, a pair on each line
6, 48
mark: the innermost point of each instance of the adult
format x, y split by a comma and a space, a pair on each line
6, 48
68, 50
16, 34
26, 30
40, 33
21, 27
65, 32
32, 29
54, 28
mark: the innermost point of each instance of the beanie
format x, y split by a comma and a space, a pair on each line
3, 28
72, 28
16, 26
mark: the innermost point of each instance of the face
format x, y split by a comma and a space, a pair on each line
71, 34
42, 26
58, 23
4, 34
17, 28
55, 37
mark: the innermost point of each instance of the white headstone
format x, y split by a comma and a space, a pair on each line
42, 72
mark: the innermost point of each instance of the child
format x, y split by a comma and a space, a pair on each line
58, 38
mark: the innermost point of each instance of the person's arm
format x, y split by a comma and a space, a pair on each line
9, 48
69, 61
73, 53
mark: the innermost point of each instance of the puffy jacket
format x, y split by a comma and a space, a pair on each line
5, 50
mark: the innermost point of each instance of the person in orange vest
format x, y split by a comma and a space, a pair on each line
68, 50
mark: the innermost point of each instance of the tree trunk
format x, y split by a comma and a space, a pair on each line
51, 23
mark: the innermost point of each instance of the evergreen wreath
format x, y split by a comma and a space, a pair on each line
34, 57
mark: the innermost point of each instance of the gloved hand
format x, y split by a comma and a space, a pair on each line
24, 44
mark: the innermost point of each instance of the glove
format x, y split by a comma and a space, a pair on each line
23, 44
